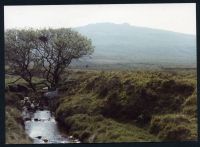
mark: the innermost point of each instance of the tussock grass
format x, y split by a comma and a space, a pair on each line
102, 129
135, 97
173, 127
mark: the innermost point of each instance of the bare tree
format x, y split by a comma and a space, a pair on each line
57, 48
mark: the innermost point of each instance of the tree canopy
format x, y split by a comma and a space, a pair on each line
49, 51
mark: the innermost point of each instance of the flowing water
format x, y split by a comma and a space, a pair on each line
42, 127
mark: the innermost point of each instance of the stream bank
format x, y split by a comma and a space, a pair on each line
29, 119
41, 126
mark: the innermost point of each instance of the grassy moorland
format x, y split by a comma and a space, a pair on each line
129, 106
117, 106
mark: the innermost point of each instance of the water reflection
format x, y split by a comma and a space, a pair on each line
42, 127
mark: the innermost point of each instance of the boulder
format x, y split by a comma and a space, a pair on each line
27, 119
36, 119
45, 140
39, 137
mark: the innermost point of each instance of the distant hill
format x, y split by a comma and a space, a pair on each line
126, 44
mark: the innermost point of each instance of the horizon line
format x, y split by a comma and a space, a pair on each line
124, 23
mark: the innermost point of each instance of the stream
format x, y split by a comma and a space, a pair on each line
42, 127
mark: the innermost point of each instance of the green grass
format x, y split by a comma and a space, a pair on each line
81, 116
12, 79
120, 106
128, 98
21, 81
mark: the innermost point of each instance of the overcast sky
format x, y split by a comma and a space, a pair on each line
173, 17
